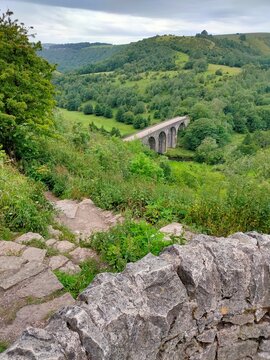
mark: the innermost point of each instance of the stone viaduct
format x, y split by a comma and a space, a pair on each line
162, 136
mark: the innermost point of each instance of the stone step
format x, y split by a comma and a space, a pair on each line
40, 286
70, 268
55, 262
11, 263
64, 246
10, 248
81, 254
34, 254
25, 272
26, 238
34, 315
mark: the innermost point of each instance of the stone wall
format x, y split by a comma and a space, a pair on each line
208, 300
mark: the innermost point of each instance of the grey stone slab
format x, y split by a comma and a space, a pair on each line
11, 263
56, 262
81, 254
10, 248
54, 233
26, 272
25, 238
70, 268
50, 242
34, 315
34, 254
64, 246
42, 285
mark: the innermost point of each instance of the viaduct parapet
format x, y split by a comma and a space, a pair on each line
162, 136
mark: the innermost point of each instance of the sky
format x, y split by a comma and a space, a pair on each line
124, 21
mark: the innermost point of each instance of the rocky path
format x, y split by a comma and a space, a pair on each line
83, 218
29, 291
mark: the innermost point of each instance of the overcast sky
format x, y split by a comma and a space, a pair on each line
123, 21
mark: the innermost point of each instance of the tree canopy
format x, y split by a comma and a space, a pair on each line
26, 93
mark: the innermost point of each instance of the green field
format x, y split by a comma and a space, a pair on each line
212, 68
99, 121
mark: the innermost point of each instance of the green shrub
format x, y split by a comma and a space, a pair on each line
3, 346
22, 203
128, 242
76, 283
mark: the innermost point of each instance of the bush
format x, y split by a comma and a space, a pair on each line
144, 166
88, 109
128, 242
22, 203
76, 283
203, 128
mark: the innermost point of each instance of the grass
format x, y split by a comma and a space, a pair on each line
212, 68
181, 58
180, 154
99, 121
41, 245
76, 283
23, 206
3, 346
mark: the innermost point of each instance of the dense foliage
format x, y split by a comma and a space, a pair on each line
159, 53
69, 57
22, 204
26, 93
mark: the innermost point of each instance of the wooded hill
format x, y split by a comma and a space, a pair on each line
160, 52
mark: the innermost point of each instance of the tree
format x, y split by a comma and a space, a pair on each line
108, 112
209, 152
99, 110
200, 129
120, 114
128, 117
243, 37
88, 109
26, 92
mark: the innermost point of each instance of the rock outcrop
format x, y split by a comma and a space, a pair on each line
208, 300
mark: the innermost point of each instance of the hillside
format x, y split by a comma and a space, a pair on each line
68, 57
231, 50
61, 134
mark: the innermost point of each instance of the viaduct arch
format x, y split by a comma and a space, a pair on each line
162, 136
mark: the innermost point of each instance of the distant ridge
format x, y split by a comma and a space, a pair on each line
75, 46
152, 53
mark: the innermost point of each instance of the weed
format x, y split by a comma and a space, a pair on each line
76, 283
3, 346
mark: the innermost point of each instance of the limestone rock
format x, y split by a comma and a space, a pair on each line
35, 344
11, 263
207, 336
174, 229
8, 248
64, 246
56, 262
36, 315
25, 272
81, 254
208, 300
67, 207
42, 285
238, 350
265, 346
244, 238
54, 233
70, 268
26, 238
34, 254
50, 242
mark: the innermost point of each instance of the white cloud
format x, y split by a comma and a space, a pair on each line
63, 24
